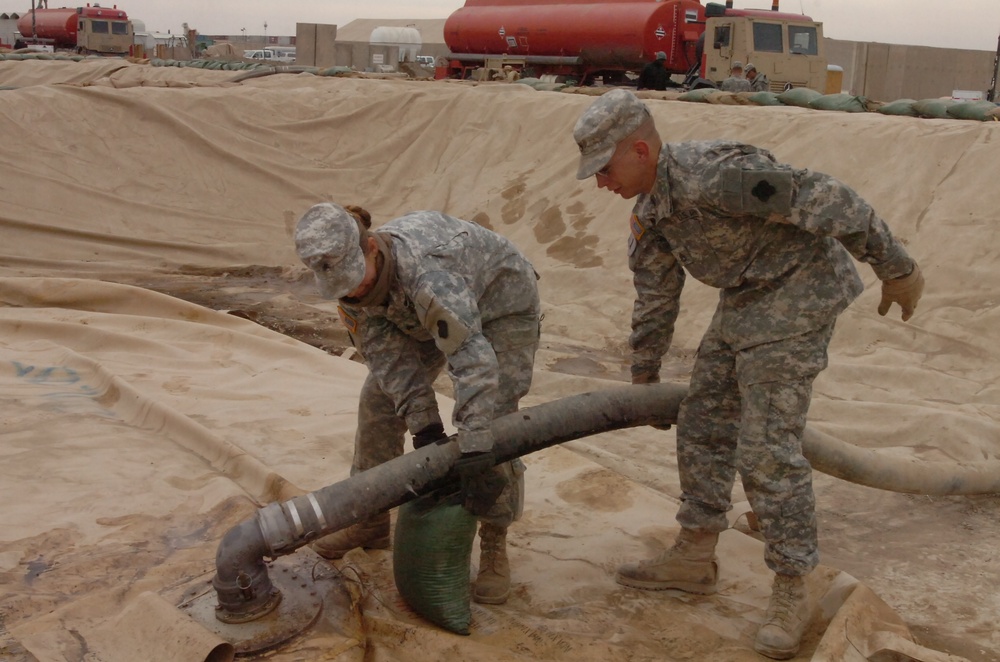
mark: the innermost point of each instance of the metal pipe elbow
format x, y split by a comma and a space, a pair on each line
241, 581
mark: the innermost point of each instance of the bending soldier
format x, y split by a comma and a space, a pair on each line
422, 291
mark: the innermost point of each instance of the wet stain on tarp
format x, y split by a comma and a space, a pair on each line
599, 489
35, 568
578, 251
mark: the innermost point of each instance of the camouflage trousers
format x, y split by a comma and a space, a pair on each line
380, 433
745, 412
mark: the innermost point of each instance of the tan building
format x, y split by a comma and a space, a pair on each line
367, 44
886, 72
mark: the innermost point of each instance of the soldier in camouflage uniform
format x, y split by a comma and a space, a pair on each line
736, 82
777, 241
422, 291
758, 81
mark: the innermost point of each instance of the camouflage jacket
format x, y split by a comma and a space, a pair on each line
735, 84
760, 83
451, 279
776, 240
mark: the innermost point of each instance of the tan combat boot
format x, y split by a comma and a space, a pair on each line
492, 585
787, 616
690, 565
372, 533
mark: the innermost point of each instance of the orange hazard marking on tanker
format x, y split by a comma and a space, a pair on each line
349, 322
660, 32
636, 227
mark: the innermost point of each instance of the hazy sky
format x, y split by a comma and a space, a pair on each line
973, 24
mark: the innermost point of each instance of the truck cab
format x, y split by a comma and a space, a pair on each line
104, 34
787, 48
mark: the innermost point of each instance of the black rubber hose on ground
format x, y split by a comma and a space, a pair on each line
241, 582
280, 528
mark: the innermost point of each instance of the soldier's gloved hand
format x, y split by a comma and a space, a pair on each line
431, 434
646, 377
649, 377
905, 291
481, 486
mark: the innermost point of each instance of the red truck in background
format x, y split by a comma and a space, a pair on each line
610, 41
578, 39
86, 30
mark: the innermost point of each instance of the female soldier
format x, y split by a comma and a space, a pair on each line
423, 290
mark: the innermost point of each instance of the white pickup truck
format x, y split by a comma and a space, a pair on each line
285, 55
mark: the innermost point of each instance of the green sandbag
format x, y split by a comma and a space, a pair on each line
431, 552
899, 107
798, 96
934, 108
981, 111
765, 99
845, 103
334, 71
700, 95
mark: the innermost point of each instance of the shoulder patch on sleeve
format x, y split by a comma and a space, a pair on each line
636, 230
349, 321
757, 191
636, 226
449, 332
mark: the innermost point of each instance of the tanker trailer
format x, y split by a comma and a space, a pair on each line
86, 30
579, 39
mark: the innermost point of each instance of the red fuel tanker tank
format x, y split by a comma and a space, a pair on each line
55, 25
58, 27
575, 37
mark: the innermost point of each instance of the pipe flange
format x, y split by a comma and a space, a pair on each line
296, 608
264, 609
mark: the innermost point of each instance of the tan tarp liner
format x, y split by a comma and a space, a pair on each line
139, 427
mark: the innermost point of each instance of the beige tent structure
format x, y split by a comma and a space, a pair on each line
222, 51
167, 368
360, 39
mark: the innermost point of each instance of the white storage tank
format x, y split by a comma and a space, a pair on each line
391, 45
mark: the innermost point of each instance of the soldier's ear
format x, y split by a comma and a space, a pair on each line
641, 148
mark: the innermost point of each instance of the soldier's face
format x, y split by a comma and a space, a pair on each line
627, 171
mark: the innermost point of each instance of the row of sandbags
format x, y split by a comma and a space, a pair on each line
240, 65
983, 111
209, 64
802, 97
36, 55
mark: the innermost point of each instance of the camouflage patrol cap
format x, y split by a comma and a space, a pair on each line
736, 65
327, 240
611, 118
660, 55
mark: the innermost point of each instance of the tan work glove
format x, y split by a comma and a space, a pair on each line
649, 378
905, 291
646, 378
